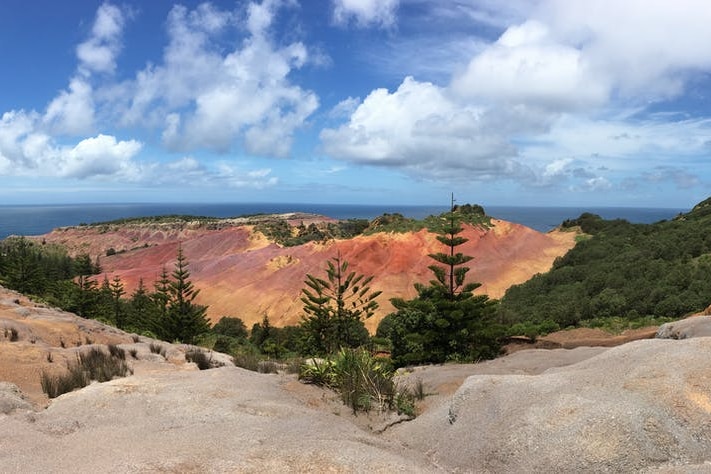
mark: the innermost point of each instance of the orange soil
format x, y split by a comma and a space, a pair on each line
242, 274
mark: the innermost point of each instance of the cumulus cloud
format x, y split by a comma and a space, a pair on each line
98, 53
199, 96
213, 99
27, 151
526, 66
365, 12
560, 97
419, 128
72, 111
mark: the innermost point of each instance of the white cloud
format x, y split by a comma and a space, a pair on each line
192, 173
102, 155
98, 53
419, 128
560, 98
526, 67
213, 99
72, 111
646, 48
27, 151
365, 12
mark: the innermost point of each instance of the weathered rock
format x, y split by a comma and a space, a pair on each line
638, 406
695, 326
11, 399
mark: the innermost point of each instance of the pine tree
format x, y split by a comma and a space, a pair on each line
141, 310
445, 321
161, 298
186, 320
335, 309
451, 276
117, 291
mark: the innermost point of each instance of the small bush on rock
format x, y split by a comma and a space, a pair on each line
202, 360
364, 382
92, 365
157, 349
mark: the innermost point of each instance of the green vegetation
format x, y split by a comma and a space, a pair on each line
465, 214
335, 309
445, 321
627, 273
280, 231
363, 382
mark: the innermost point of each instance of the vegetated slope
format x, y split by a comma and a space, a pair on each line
243, 274
626, 270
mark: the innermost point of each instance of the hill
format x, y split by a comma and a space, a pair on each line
623, 270
244, 273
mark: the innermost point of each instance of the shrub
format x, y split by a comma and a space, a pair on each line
92, 365
201, 359
364, 382
101, 366
116, 351
267, 367
157, 349
247, 361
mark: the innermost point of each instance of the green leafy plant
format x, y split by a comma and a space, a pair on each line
363, 382
335, 308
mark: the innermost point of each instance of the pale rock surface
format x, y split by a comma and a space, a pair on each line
643, 405
695, 326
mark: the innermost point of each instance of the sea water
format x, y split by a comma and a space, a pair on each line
36, 220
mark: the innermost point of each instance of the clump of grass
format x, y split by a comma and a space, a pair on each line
62, 343
136, 338
267, 367
92, 365
157, 349
50, 357
116, 351
364, 382
247, 361
201, 359
134, 353
14, 336
88, 340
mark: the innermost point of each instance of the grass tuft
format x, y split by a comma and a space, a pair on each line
94, 364
201, 359
157, 349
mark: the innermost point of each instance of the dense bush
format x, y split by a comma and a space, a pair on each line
628, 271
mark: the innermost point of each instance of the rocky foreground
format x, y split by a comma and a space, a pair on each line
644, 406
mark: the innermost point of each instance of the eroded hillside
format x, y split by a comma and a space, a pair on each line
241, 273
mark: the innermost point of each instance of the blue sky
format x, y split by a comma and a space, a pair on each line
550, 102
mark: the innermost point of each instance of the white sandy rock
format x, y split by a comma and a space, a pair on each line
695, 326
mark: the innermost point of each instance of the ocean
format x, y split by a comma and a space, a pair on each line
36, 220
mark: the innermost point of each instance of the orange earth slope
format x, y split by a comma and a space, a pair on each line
242, 274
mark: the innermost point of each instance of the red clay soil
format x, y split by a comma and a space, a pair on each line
240, 273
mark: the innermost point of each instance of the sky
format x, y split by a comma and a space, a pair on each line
515, 103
